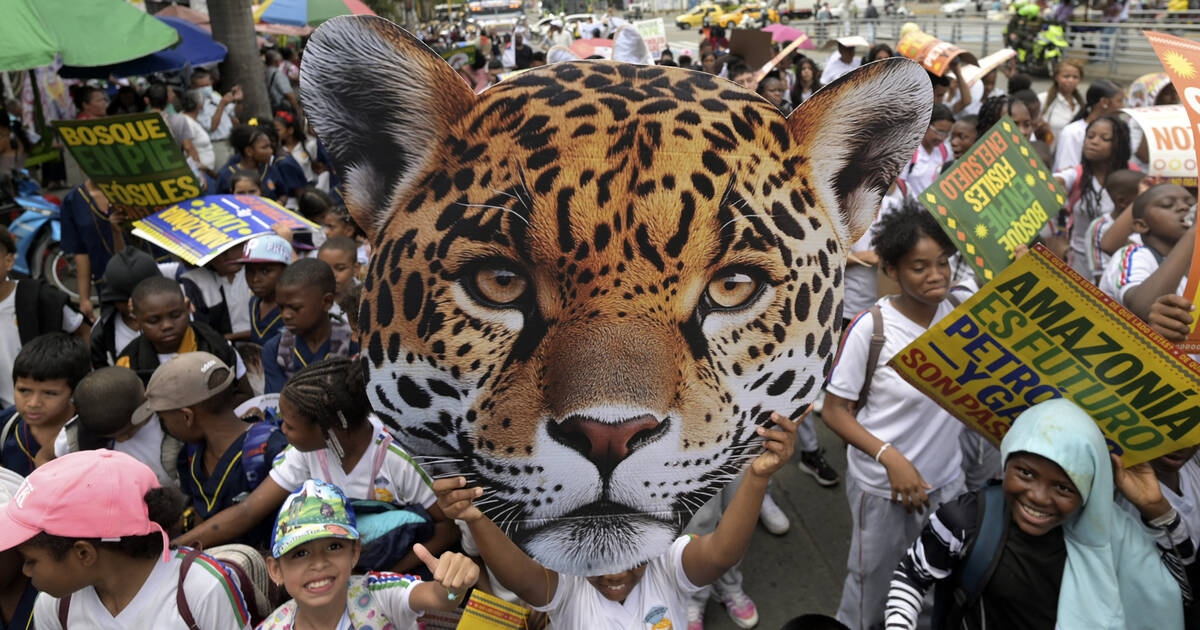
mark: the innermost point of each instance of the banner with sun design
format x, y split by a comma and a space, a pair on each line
995, 198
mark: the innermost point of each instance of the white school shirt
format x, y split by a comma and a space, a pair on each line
215, 602
925, 167
835, 67
895, 412
235, 293
862, 283
1068, 145
400, 480
1057, 114
10, 341
202, 142
1187, 503
1129, 267
123, 335
660, 600
145, 445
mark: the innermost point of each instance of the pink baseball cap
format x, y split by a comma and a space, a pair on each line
88, 494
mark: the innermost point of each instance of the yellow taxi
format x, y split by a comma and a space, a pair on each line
699, 15
754, 10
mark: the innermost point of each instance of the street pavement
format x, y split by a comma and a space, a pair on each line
803, 570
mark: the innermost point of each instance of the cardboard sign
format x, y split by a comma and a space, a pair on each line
752, 45
995, 198
973, 73
770, 65
932, 52
655, 34
623, 400
1170, 140
200, 229
1181, 59
133, 159
1040, 331
460, 55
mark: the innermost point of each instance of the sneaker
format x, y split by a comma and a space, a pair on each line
813, 463
741, 610
695, 615
772, 517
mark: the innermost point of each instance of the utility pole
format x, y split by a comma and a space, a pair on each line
233, 25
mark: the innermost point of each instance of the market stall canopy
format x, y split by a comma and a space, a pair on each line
196, 47
199, 18
307, 12
91, 33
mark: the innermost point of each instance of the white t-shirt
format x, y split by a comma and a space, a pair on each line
1097, 260
1129, 267
1082, 215
400, 479
660, 600
145, 445
976, 100
213, 598
122, 334
924, 167
202, 142
895, 412
10, 341
1057, 114
1068, 145
1188, 502
235, 293
835, 67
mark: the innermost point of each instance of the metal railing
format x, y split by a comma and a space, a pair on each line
1113, 49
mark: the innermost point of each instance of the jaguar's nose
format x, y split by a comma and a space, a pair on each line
607, 444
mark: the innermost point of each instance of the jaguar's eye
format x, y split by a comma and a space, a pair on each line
733, 289
498, 285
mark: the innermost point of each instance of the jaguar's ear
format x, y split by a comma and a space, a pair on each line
382, 102
858, 132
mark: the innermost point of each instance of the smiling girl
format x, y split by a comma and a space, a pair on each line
1069, 557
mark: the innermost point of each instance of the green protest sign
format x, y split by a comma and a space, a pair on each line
994, 198
133, 159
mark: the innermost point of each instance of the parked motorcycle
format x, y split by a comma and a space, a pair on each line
1041, 44
33, 221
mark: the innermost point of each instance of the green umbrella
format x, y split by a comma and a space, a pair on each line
84, 32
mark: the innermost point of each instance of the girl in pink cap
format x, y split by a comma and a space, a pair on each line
92, 529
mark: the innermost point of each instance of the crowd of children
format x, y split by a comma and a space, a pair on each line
224, 408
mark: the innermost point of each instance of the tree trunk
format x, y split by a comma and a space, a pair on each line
233, 25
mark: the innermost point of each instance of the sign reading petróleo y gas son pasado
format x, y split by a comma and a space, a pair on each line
133, 159
1040, 331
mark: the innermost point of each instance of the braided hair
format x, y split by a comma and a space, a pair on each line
1118, 159
331, 392
990, 112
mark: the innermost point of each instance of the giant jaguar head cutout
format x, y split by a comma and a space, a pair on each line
591, 282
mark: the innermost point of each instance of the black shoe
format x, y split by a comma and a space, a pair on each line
813, 463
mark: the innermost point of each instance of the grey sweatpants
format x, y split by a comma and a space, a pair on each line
980, 460
881, 533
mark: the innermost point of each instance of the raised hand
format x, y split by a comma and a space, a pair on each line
457, 500
454, 571
778, 445
1140, 485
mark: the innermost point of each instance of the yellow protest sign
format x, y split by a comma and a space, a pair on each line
1040, 331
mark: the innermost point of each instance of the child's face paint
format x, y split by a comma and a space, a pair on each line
316, 573
301, 432
617, 586
924, 272
163, 318
42, 403
55, 577
302, 308
1040, 495
344, 265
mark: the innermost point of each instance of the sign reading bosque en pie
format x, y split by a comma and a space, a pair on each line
1040, 331
995, 198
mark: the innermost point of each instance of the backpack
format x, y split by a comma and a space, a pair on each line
185, 611
954, 598
254, 451
877, 341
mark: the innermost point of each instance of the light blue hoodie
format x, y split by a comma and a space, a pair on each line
1114, 576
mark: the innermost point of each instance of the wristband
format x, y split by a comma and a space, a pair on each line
1163, 521
883, 448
